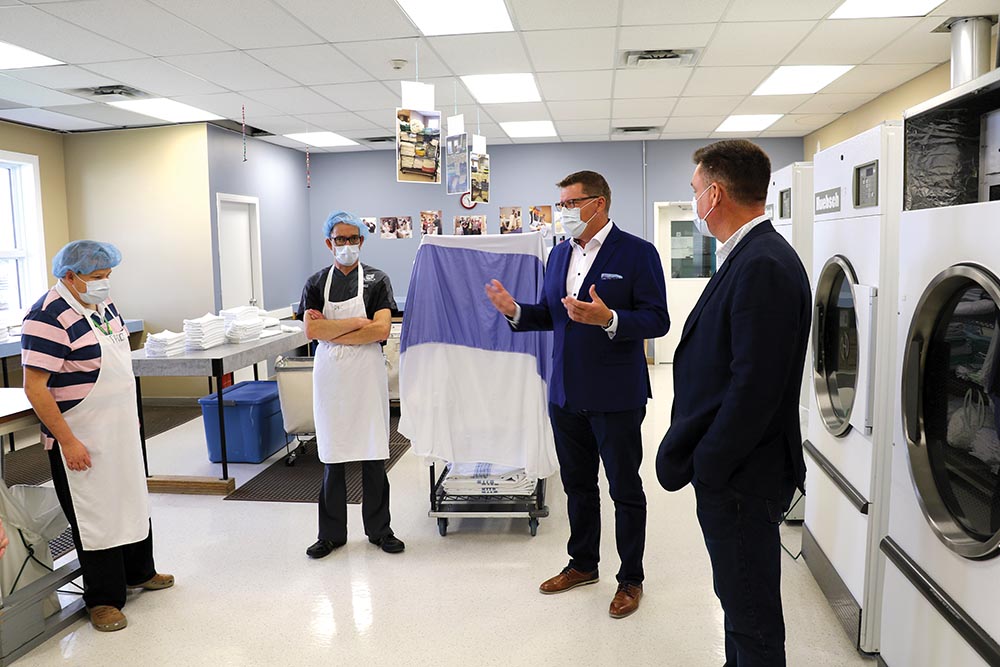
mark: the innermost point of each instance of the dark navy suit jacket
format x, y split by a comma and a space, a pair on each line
591, 371
737, 375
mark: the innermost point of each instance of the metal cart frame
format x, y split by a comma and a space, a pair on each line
295, 398
445, 506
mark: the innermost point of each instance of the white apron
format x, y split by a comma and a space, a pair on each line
350, 390
110, 498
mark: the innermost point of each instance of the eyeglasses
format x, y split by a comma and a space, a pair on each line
346, 240
573, 203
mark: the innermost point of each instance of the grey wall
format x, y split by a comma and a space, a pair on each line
277, 176
521, 175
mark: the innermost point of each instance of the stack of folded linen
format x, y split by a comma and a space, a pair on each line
243, 324
487, 479
204, 333
164, 344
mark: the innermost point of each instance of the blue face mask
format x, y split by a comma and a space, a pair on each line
571, 222
700, 223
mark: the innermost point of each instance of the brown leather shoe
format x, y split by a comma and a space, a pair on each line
106, 618
567, 579
626, 600
157, 583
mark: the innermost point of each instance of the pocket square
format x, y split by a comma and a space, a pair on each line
611, 276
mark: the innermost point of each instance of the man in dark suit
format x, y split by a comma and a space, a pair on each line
734, 429
603, 295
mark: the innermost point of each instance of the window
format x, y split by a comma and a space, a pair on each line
23, 275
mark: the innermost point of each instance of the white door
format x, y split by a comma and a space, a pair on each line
688, 263
239, 256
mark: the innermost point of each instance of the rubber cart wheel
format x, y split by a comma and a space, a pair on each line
443, 526
533, 526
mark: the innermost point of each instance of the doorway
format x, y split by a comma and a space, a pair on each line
238, 257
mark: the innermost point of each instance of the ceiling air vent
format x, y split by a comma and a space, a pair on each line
115, 93
659, 58
380, 140
637, 129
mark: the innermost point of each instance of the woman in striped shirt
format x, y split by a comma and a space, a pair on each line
78, 377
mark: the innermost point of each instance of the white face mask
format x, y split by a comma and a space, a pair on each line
571, 222
347, 255
700, 223
97, 291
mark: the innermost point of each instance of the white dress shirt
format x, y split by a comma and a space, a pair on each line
581, 260
723, 251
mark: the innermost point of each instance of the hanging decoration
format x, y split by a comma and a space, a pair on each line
244, 124
308, 175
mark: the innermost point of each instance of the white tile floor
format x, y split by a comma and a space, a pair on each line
247, 595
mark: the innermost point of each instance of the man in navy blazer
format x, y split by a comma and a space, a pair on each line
734, 428
603, 295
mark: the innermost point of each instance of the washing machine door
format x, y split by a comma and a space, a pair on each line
841, 332
951, 408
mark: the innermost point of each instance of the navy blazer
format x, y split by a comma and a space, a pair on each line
591, 371
737, 375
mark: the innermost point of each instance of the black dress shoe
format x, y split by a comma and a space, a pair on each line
389, 544
322, 548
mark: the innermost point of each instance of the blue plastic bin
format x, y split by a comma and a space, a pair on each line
254, 428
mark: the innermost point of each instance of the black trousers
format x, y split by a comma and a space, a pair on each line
583, 440
374, 501
107, 573
741, 534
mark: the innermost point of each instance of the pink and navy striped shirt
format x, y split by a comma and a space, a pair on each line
56, 339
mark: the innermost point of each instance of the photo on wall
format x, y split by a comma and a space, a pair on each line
457, 164
470, 225
400, 227
430, 223
479, 169
510, 220
371, 224
540, 216
418, 139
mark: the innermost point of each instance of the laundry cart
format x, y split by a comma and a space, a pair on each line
295, 395
488, 501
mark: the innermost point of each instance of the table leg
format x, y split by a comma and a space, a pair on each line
6, 383
256, 376
217, 368
142, 425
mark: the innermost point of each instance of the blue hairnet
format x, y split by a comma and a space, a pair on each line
343, 217
83, 257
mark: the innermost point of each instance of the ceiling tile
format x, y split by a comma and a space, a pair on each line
841, 103
376, 58
138, 24
503, 113
708, 81
690, 36
246, 24
534, 15
362, 96
296, 101
650, 107
448, 91
285, 125
580, 127
734, 135
780, 10
848, 41
50, 119
494, 53
754, 43
61, 76
233, 69
575, 85
348, 21
918, 45
643, 12
336, 122
654, 122
385, 119
673, 136
706, 106
283, 141
155, 76
761, 104
34, 29
8, 104
109, 115
311, 65
804, 122
229, 105
580, 110
965, 8
780, 134
694, 124
632, 83
876, 78
567, 50
31, 95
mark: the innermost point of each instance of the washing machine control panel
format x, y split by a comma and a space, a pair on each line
866, 185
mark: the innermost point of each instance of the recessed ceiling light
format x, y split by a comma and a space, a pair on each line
458, 17
168, 110
529, 128
15, 57
321, 139
801, 79
502, 88
867, 9
748, 122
